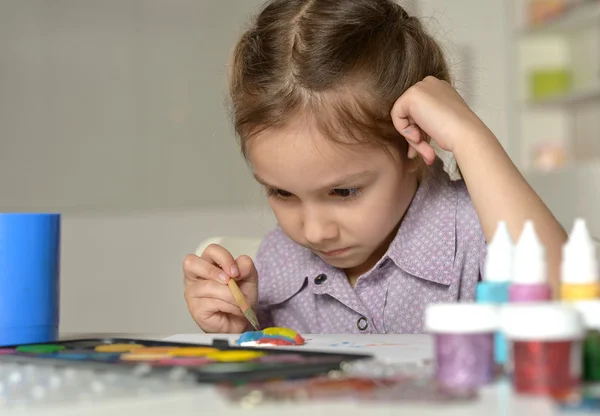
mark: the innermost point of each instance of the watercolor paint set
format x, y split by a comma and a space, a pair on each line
214, 363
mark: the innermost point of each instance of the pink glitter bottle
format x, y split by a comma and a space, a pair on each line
530, 275
464, 344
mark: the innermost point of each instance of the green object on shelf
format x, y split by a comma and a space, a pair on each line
549, 83
591, 356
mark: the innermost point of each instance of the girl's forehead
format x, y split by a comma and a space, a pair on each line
305, 159
303, 142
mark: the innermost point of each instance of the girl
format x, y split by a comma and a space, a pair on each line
335, 103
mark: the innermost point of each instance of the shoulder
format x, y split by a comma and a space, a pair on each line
468, 225
471, 245
451, 198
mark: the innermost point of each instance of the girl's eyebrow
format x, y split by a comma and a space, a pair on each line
339, 182
349, 179
262, 181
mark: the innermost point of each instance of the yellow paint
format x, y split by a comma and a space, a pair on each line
284, 332
584, 291
235, 356
193, 351
154, 350
144, 357
118, 347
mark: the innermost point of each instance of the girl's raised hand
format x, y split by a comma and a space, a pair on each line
434, 107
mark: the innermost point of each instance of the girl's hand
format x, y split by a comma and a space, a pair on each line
207, 295
434, 107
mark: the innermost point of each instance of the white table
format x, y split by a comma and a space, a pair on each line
497, 400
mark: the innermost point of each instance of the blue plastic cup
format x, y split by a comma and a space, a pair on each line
29, 277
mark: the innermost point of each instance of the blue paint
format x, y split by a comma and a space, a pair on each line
105, 356
495, 292
253, 336
249, 336
76, 356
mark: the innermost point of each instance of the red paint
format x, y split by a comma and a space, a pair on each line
274, 341
298, 340
546, 368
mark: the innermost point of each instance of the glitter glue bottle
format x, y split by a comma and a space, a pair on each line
530, 275
464, 344
545, 340
496, 280
590, 312
580, 279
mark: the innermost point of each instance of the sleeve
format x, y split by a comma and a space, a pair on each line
472, 239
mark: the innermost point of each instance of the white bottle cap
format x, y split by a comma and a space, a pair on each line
590, 313
461, 318
499, 256
541, 321
579, 262
530, 258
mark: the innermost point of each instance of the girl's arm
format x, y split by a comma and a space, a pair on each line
499, 192
497, 188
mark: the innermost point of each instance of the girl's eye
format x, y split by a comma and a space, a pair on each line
278, 193
346, 193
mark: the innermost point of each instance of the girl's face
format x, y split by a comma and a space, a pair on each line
342, 202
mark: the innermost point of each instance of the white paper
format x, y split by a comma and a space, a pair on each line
392, 348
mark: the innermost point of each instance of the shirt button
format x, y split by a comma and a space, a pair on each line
363, 323
320, 279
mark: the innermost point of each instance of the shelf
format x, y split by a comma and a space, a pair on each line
577, 18
568, 99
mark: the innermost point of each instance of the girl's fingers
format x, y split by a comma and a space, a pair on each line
208, 289
219, 256
195, 268
412, 134
426, 152
211, 306
424, 149
247, 269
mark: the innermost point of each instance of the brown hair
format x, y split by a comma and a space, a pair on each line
343, 63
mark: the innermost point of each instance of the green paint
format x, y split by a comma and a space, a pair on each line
40, 349
591, 356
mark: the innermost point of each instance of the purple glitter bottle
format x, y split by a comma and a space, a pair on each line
464, 344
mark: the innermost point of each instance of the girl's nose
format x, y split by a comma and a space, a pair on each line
318, 229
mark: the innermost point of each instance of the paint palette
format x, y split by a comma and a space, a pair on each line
213, 363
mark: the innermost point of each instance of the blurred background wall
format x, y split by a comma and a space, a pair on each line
113, 113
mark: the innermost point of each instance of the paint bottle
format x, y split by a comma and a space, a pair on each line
530, 274
590, 312
545, 346
580, 279
496, 280
464, 344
